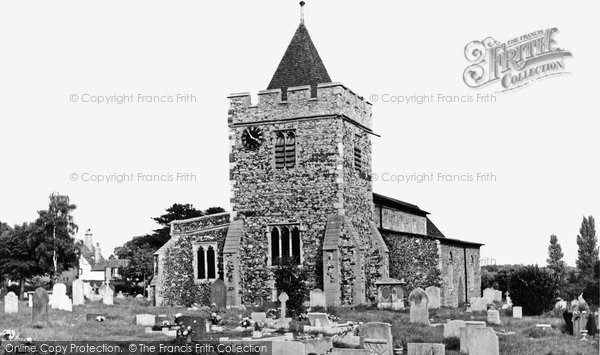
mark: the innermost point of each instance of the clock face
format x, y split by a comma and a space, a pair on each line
252, 137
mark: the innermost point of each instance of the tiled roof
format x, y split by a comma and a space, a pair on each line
433, 230
301, 65
443, 240
382, 200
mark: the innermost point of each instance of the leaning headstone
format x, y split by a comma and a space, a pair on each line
452, 328
426, 349
419, 312
146, 320
317, 298
108, 298
478, 304
517, 312
11, 303
379, 335
489, 295
283, 298
218, 294
433, 294
78, 293
482, 341
493, 316
463, 333
39, 311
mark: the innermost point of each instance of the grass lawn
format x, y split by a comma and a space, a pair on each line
119, 326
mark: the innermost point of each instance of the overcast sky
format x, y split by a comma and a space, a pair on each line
540, 142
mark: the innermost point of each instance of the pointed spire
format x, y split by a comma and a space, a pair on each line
301, 63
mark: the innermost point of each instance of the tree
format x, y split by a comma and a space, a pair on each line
588, 247
533, 288
292, 279
555, 255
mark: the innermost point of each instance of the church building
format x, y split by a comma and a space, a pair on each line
300, 176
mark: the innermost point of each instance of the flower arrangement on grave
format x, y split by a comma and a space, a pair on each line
246, 322
302, 316
258, 326
215, 319
333, 317
273, 312
183, 331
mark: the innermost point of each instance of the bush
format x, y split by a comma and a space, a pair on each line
591, 293
533, 288
291, 279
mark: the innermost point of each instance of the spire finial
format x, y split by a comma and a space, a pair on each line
302, 12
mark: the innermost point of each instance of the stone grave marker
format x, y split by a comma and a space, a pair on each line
482, 341
508, 299
497, 296
259, 317
419, 312
478, 304
489, 295
318, 319
108, 298
452, 328
30, 299
120, 295
517, 312
87, 290
218, 294
11, 303
39, 311
493, 316
78, 293
283, 298
102, 290
426, 349
59, 299
146, 320
317, 298
377, 337
433, 294
463, 333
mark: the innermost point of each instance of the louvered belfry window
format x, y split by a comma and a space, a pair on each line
285, 150
358, 165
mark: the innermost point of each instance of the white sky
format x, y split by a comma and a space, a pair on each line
540, 142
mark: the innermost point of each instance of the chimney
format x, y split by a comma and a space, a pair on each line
88, 239
98, 255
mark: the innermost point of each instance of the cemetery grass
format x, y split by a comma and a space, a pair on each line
526, 340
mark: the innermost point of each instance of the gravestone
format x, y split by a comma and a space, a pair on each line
87, 290
426, 349
59, 299
102, 290
579, 322
283, 298
419, 301
482, 341
452, 328
433, 294
318, 319
3, 292
517, 312
218, 294
146, 320
493, 316
258, 317
108, 298
120, 295
497, 296
317, 298
39, 311
11, 303
377, 337
318, 346
508, 299
30, 299
390, 293
78, 293
478, 304
488, 295
463, 333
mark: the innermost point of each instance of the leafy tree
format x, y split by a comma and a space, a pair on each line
533, 288
555, 255
588, 247
292, 279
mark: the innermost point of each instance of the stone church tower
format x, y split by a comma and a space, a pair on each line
300, 171
300, 175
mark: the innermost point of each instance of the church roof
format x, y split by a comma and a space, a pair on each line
443, 240
382, 200
301, 65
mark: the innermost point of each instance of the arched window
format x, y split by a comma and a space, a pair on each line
296, 244
275, 245
201, 264
285, 241
210, 261
285, 149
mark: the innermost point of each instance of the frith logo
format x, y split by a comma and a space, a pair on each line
515, 63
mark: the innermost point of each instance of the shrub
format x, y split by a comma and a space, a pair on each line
533, 288
591, 293
292, 279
